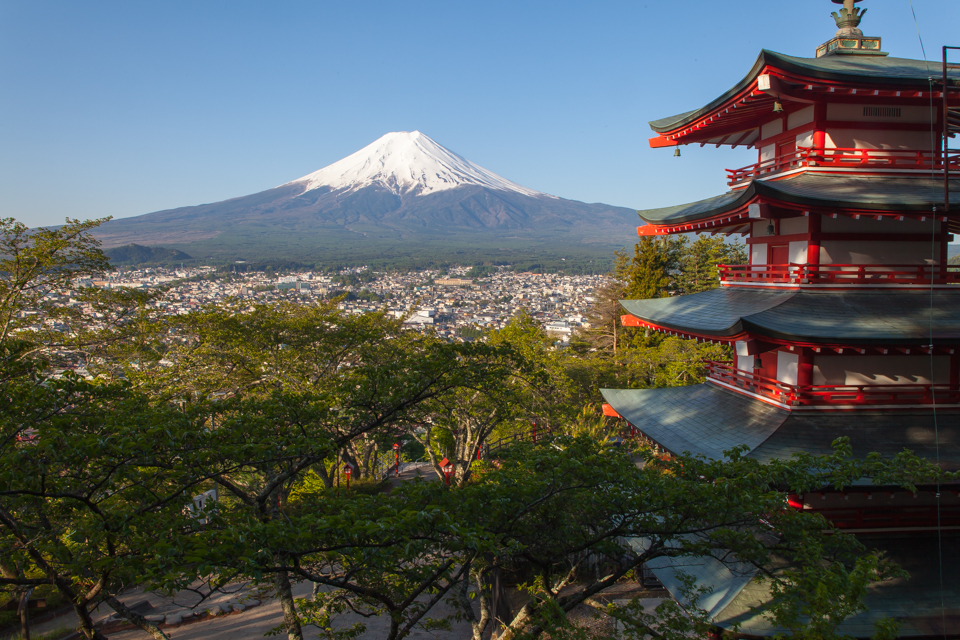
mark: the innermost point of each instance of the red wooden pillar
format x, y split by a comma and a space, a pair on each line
804, 370
819, 128
813, 245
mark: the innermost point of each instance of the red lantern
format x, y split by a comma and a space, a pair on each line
447, 468
396, 448
348, 469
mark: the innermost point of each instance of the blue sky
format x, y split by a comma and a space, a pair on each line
123, 108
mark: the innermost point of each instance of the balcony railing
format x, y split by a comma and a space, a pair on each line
905, 159
825, 395
838, 274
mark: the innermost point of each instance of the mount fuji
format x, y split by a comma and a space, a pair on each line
402, 194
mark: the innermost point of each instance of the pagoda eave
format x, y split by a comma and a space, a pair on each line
744, 333
707, 420
803, 194
777, 77
881, 319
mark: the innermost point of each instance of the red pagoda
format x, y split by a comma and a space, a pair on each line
845, 322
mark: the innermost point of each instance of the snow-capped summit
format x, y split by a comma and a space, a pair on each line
407, 163
400, 196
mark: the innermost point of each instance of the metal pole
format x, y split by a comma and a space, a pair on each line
946, 134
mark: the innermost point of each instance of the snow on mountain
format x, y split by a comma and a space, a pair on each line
407, 163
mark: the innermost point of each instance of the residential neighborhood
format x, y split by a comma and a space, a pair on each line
450, 303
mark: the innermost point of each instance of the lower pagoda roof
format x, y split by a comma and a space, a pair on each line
816, 190
816, 317
704, 419
921, 603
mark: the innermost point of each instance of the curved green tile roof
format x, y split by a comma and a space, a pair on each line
917, 194
890, 72
822, 317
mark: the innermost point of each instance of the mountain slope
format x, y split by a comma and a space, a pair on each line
404, 189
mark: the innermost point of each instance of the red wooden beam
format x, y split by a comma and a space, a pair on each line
610, 411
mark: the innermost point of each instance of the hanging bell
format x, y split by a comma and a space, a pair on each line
757, 362
777, 107
676, 152
771, 230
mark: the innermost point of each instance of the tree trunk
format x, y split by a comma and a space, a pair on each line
25, 615
290, 618
86, 628
326, 477
136, 619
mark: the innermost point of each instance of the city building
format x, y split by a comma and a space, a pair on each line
845, 322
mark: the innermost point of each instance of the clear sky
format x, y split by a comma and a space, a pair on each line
122, 108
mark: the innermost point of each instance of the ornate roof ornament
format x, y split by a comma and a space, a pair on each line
849, 39
848, 19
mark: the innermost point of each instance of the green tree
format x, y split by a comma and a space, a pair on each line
647, 275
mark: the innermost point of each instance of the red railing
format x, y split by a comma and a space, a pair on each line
838, 274
911, 159
822, 395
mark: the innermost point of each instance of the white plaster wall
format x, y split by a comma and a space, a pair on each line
805, 139
843, 224
787, 365
870, 139
854, 113
768, 152
867, 252
890, 369
789, 226
758, 254
801, 117
771, 129
759, 228
745, 363
798, 252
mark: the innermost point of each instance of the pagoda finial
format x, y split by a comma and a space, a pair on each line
849, 39
848, 19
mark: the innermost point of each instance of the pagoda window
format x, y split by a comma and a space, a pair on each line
832, 370
845, 224
878, 114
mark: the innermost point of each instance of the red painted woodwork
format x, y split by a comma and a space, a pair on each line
778, 254
814, 224
835, 274
787, 149
808, 395
801, 157
610, 411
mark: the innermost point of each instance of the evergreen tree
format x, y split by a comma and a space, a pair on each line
647, 275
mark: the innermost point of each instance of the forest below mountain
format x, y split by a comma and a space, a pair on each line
218, 446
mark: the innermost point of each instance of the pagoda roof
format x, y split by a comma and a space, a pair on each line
880, 72
815, 190
917, 602
704, 419
879, 318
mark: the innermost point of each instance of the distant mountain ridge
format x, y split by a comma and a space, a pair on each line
139, 254
403, 190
